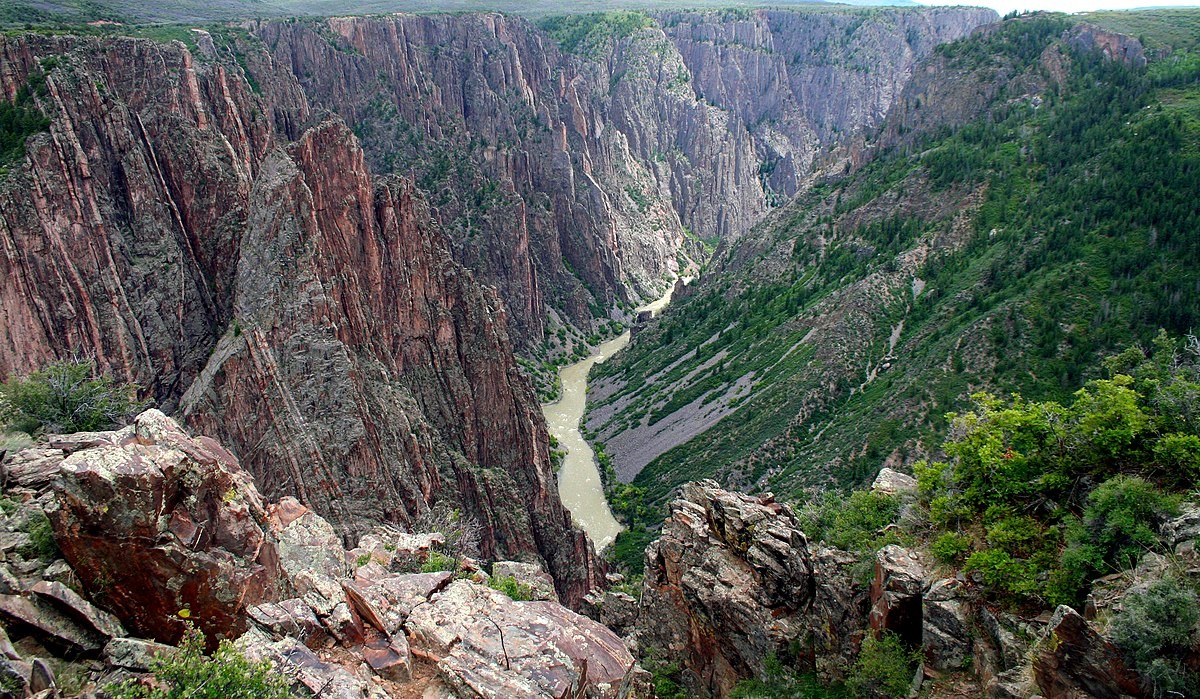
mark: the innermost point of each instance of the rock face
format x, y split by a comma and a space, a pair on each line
163, 528
699, 121
733, 580
1078, 662
277, 297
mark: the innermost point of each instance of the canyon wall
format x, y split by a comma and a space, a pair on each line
275, 295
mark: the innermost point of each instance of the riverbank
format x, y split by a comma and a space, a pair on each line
579, 483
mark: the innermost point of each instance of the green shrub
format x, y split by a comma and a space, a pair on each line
41, 535
950, 547
1155, 629
884, 667
509, 585
783, 683
1122, 518
68, 396
438, 562
189, 674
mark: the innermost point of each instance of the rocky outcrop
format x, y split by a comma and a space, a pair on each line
1076, 661
164, 529
734, 580
173, 522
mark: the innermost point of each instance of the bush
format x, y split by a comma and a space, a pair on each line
1122, 518
950, 547
1154, 629
188, 674
438, 562
68, 396
510, 586
41, 538
783, 683
884, 667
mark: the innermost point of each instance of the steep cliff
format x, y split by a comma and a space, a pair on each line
277, 296
568, 180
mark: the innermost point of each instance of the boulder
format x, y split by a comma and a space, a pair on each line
389, 657
161, 527
310, 553
75, 606
945, 631
487, 645
733, 580
311, 676
291, 617
1075, 662
50, 626
134, 653
892, 482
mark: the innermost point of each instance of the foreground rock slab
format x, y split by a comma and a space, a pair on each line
162, 528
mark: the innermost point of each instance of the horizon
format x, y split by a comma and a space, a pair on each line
1004, 7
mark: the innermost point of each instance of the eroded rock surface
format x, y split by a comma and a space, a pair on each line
734, 580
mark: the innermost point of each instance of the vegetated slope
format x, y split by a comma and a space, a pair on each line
1030, 209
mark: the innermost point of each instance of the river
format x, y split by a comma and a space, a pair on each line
579, 483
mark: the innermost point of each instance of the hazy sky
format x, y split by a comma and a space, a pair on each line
1006, 6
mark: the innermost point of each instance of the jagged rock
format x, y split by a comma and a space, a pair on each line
164, 527
733, 580
41, 677
892, 482
34, 468
1074, 661
491, 646
6, 647
9, 585
531, 575
11, 541
616, 610
945, 630
389, 657
391, 598
310, 675
291, 617
134, 653
896, 593
310, 553
70, 602
344, 624
50, 626
60, 572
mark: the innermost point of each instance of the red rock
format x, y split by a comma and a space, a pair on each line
205, 562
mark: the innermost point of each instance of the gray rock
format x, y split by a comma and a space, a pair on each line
491, 646
891, 482
70, 602
134, 653
41, 677
50, 626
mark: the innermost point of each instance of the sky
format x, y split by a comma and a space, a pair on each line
1006, 6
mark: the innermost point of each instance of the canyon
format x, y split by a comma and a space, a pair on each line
321, 241
346, 257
